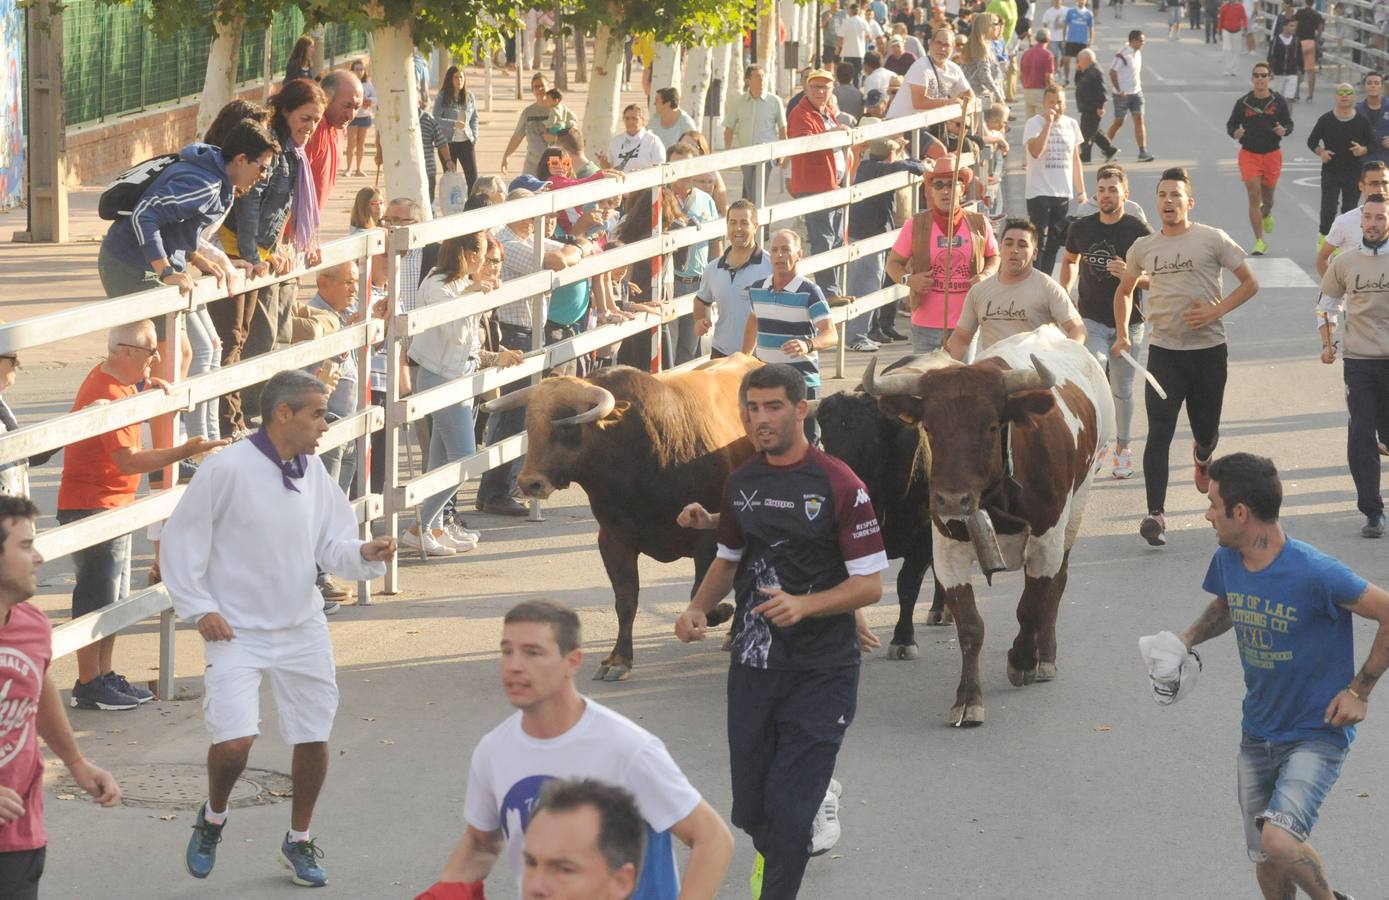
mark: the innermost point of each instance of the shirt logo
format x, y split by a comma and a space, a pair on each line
746, 501
813, 503
17, 713
861, 498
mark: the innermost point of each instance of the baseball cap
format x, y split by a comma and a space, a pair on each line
897, 39
818, 73
529, 182
883, 148
873, 98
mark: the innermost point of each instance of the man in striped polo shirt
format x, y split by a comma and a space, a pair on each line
790, 320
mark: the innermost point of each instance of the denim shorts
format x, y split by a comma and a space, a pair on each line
1284, 785
103, 570
1129, 103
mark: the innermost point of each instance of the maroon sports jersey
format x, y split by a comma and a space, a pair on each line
802, 528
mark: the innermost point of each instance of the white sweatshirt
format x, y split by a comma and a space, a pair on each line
241, 544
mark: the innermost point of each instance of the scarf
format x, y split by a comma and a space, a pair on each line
938, 218
304, 211
290, 469
1375, 247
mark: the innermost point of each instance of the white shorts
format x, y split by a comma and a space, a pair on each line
303, 678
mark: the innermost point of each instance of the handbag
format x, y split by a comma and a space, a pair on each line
453, 192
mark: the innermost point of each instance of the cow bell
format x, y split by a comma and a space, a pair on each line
985, 540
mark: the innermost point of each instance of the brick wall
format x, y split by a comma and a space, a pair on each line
97, 153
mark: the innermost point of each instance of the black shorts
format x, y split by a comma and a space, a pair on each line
1072, 49
20, 871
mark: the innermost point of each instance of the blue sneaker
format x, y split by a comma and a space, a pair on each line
201, 854
119, 682
100, 694
301, 857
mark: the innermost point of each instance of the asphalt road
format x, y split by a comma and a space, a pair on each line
1081, 788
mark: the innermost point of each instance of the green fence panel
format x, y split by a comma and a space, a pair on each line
114, 66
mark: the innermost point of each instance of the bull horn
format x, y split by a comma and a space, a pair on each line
1039, 377
509, 401
602, 402
898, 384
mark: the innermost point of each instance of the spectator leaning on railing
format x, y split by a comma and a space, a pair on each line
102, 473
697, 207
818, 171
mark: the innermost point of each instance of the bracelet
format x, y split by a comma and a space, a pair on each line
1350, 690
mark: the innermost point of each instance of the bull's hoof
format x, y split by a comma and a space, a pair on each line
612, 672
940, 617
1046, 671
727, 642
1021, 677
970, 715
903, 651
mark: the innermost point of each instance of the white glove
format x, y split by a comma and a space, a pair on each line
1172, 668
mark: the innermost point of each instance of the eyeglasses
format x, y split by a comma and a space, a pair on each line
941, 185
151, 351
14, 359
260, 166
493, 260
400, 220
1260, 74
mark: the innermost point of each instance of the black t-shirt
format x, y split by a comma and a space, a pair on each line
1096, 244
802, 528
1308, 21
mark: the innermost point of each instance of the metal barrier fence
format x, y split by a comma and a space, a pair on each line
113, 65
1354, 41
400, 493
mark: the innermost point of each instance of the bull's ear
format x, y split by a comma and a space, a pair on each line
615, 416
1026, 405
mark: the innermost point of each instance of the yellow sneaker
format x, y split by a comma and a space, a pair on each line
755, 880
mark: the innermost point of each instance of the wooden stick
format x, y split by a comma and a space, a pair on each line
950, 226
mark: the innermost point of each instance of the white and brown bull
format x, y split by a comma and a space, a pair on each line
641, 446
1014, 442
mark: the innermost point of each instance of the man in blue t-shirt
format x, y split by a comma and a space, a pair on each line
1080, 33
1290, 607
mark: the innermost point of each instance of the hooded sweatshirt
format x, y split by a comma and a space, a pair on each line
186, 197
1258, 117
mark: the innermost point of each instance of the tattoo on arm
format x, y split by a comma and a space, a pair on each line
1215, 620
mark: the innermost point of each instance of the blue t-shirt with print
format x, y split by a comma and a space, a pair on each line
1294, 638
1078, 25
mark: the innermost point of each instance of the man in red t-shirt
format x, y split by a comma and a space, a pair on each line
818, 171
1036, 69
102, 473
324, 149
32, 709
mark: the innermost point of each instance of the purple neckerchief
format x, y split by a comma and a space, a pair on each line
289, 469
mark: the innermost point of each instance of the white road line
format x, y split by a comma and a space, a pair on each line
1279, 272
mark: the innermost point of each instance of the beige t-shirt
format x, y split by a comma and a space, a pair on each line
1363, 281
1183, 269
997, 310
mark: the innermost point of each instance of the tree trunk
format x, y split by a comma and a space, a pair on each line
580, 58
318, 60
766, 38
397, 116
561, 57
699, 64
220, 84
733, 81
665, 71
604, 92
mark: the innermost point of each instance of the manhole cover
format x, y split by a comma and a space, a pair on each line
184, 786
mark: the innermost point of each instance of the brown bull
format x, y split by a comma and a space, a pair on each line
1014, 440
641, 446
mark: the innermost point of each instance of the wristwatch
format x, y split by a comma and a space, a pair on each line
168, 270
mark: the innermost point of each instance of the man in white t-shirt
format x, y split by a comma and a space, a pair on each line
1053, 173
854, 38
1345, 230
1054, 21
933, 81
635, 147
559, 733
1126, 78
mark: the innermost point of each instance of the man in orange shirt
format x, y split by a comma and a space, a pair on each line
324, 149
102, 473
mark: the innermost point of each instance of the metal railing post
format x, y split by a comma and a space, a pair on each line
759, 197
362, 445
538, 305
395, 415
165, 686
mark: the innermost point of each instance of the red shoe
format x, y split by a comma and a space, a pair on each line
1203, 471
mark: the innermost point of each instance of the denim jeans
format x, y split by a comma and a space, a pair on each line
452, 439
688, 345
341, 463
103, 570
926, 340
865, 277
205, 356
1284, 785
1098, 339
497, 484
826, 230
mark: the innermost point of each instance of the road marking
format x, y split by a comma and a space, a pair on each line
1278, 272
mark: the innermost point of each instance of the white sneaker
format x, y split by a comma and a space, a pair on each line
457, 538
464, 533
824, 833
1123, 464
431, 546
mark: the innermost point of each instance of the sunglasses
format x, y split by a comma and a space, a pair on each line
941, 185
1345, 93
1260, 74
151, 351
